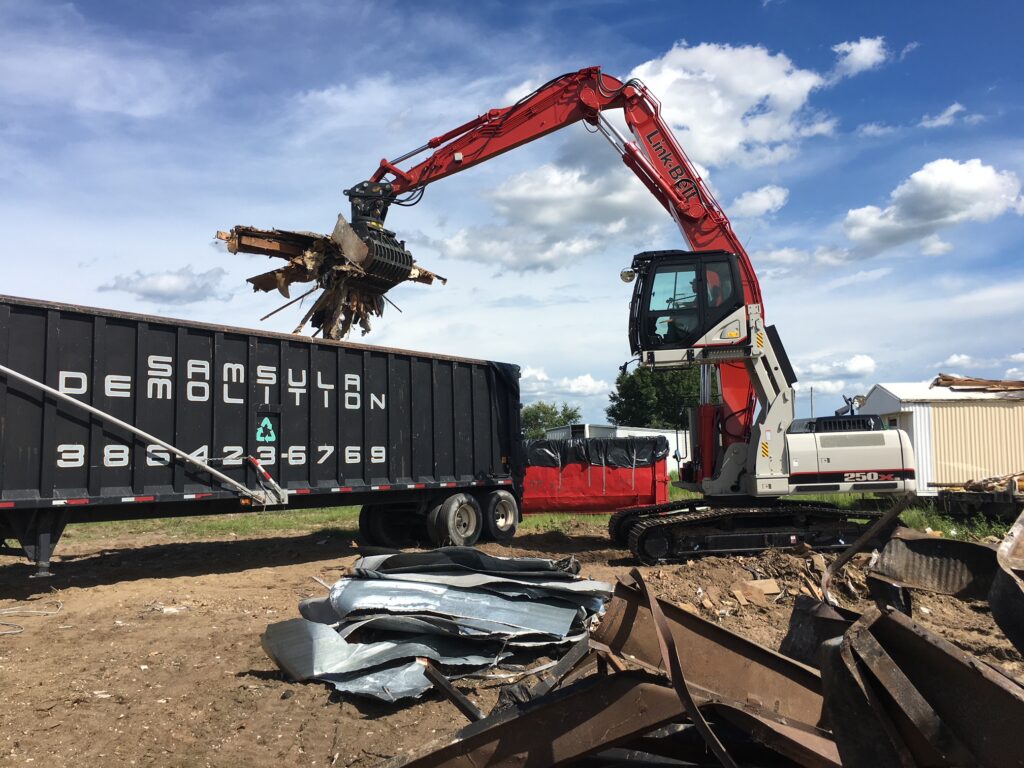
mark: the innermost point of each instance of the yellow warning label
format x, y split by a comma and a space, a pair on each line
764, 450
760, 340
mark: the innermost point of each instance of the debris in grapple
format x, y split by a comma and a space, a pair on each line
354, 272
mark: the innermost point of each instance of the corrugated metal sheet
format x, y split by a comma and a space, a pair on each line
920, 433
979, 439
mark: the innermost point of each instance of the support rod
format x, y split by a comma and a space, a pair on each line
276, 495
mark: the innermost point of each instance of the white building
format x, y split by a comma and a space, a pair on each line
957, 436
676, 439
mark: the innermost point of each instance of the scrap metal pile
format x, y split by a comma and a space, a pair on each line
655, 684
386, 625
353, 269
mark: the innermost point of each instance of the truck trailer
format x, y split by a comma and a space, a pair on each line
106, 415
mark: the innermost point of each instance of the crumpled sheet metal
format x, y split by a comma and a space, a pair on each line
354, 597
364, 637
899, 695
405, 681
470, 560
306, 650
1006, 598
949, 566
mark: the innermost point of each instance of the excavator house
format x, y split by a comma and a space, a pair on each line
690, 308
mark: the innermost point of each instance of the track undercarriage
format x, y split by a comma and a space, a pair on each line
681, 530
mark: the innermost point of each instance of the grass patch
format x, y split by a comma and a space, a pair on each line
969, 529
559, 521
213, 526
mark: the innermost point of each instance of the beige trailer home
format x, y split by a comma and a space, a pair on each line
957, 436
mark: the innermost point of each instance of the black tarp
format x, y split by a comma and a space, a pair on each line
617, 452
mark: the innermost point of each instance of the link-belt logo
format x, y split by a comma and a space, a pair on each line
659, 151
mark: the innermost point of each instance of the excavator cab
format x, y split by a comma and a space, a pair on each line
685, 300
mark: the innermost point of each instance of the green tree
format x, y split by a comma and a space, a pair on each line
540, 416
661, 399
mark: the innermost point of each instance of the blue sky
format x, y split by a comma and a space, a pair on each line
869, 155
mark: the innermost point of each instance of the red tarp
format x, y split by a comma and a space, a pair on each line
598, 489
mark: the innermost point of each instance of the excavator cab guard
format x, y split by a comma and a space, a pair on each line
680, 298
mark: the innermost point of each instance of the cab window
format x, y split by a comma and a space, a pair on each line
673, 310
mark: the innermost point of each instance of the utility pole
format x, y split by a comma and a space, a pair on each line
812, 402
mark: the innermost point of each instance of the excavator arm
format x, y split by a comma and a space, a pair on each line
653, 155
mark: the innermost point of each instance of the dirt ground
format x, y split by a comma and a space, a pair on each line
155, 657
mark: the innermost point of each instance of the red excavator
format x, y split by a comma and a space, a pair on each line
700, 307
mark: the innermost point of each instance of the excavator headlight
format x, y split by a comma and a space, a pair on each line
627, 275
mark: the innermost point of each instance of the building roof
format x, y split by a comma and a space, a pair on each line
923, 392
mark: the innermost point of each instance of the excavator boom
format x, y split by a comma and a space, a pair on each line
653, 155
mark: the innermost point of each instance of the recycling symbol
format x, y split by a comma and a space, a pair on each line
265, 431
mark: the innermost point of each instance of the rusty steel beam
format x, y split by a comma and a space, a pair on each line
673, 667
811, 623
584, 718
892, 686
713, 659
808, 748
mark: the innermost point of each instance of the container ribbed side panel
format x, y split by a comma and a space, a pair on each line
973, 440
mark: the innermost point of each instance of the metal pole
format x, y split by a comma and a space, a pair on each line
812, 402
260, 497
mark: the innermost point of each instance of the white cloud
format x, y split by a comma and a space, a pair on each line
781, 256
822, 386
944, 118
933, 245
52, 57
182, 286
1014, 374
1017, 357
860, 365
515, 93
536, 382
958, 359
515, 250
863, 276
953, 113
875, 129
831, 256
822, 374
758, 202
553, 216
859, 56
735, 104
908, 49
941, 194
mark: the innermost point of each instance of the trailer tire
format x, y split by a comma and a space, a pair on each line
501, 515
456, 521
380, 528
366, 531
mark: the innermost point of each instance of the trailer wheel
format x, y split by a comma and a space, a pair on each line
457, 521
366, 528
501, 515
380, 527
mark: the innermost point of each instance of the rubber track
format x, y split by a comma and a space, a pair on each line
640, 529
623, 520
619, 523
